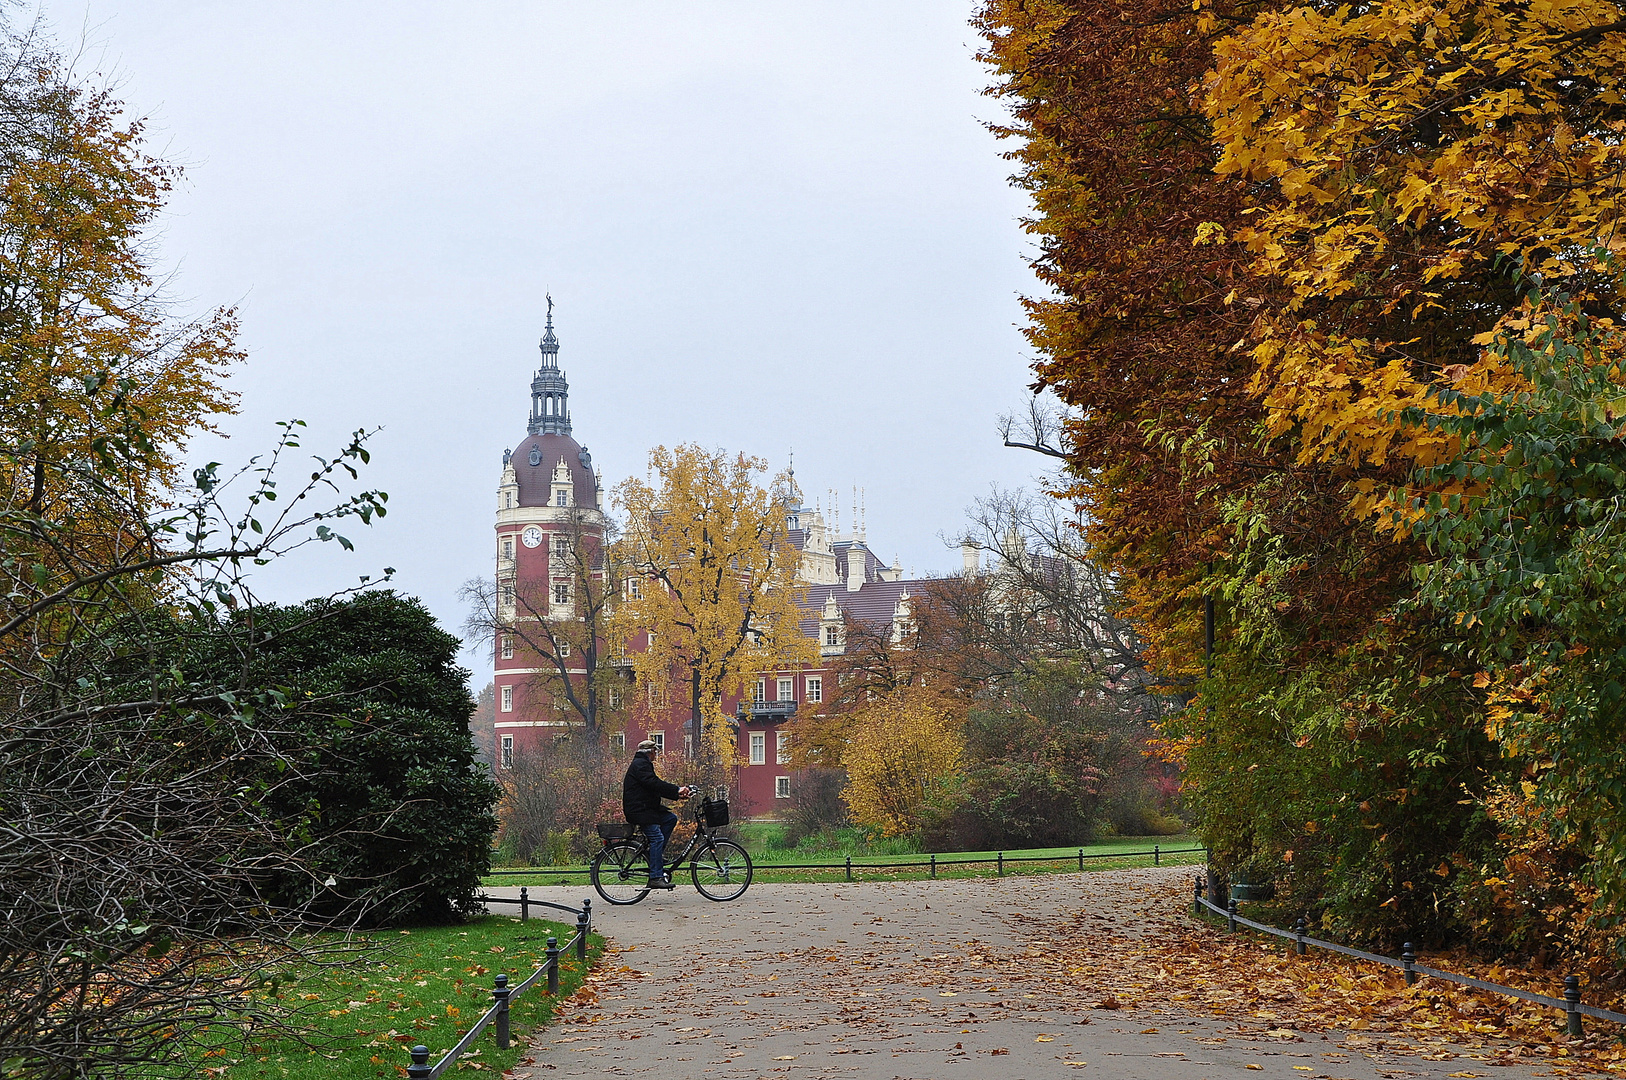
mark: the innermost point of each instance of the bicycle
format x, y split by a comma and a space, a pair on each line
720, 868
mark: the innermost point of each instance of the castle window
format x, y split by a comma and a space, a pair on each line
508, 699
561, 497
659, 739
786, 690
561, 592
759, 748
564, 649
507, 647
832, 635
759, 692
561, 547
635, 589
508, 751
815, 688
782, 747
618, 743
615, 698
781, 787
508, 548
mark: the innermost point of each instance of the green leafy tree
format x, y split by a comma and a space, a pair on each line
1529, 542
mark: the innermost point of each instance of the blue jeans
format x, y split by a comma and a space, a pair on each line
658, 834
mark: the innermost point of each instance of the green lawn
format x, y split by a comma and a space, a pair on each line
1058, 860
426, 985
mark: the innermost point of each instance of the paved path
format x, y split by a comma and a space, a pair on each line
925, 980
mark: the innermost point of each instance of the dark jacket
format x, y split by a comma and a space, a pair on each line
642, 792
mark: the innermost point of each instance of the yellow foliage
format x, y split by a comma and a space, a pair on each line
1411, 153
905, 748
718, 582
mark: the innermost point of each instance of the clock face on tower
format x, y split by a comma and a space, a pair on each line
532, 536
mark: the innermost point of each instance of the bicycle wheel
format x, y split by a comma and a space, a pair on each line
620, 872
721, 870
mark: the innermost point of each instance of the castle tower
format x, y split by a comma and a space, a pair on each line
550, 524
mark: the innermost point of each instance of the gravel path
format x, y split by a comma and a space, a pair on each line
928, 979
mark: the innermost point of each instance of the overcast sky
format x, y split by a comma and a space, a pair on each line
764, 226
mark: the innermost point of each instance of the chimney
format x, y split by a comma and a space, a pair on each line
968, 557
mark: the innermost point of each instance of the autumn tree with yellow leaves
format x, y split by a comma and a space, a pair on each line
714, 599
905, 750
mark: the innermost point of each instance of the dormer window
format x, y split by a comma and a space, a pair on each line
561, 497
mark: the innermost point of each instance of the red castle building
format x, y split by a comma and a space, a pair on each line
550, 498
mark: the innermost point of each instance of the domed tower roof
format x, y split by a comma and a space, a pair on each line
535, 460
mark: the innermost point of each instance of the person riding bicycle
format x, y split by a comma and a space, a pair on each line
641, 795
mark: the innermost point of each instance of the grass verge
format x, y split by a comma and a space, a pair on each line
1104, 856
426, 985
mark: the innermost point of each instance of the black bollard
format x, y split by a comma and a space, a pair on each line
553, 965
1001, 864
1301, 928
499, 994
1196, 895
1157, 855
1572, 997
1081, 863
1230, 916
581, 935
1408, 959
934, 865
524, 903
419, 1069
849, 868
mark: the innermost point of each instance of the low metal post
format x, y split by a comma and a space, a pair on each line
934, 865
1230, 915
1001, 864
1081, 860
581, 935
524, 903
500, 994
1301, 928
419, 1069
1196, 893
1408, 960
1157, 855
553, 964
1572, 998
849, 868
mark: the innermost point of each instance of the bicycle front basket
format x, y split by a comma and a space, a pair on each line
716, 812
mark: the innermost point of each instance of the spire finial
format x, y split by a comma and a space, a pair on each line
550, 393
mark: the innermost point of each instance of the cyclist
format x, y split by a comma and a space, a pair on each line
641, 795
